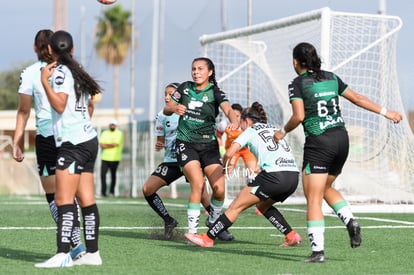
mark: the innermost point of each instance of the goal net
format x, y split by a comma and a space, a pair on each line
255, 64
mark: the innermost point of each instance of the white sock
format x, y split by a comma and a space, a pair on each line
343, 210
193, 215
316, 230
216, 206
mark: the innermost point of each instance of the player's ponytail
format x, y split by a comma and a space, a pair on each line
307, 56
41, 42
61, 43
255, 112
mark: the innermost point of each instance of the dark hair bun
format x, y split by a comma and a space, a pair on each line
61, 41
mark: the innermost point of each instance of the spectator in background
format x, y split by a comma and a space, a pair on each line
111, 142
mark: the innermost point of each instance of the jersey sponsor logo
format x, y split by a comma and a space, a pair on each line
285, 162
291, 89
205, 98
59, 80
193, 104
88, 128
327, 123
318, 167
60, 76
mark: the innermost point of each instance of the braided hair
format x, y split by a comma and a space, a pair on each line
255, 112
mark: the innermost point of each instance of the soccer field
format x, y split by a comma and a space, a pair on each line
131, 242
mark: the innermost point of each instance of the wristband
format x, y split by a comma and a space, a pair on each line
383, 111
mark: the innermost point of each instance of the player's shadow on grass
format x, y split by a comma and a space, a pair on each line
23, 255
277, 255
124, 234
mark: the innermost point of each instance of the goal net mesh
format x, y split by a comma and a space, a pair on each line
255, 64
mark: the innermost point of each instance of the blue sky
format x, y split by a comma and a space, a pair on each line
185, 22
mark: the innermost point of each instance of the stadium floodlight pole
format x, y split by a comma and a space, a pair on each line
133, 128
153, 81
249, 67
223, 15
382, 7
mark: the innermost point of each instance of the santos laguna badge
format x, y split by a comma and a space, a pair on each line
205, 98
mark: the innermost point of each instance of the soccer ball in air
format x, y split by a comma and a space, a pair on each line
106, 2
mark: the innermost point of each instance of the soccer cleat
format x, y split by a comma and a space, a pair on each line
316, 257
169, 228
89, 259
199, 239
78, 251
59, 260
354, 231
292, 241
224, 235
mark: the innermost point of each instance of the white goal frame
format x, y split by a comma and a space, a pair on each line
254, 63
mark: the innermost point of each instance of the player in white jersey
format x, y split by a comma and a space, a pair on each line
30, 88
276, 181
69, 90
169, 170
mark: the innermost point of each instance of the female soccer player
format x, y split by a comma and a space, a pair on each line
69, 90
30, 87
277, 180
168, 171
197, 103
314, 96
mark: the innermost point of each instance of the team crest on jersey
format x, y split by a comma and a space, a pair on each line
176, 95
60, 76
184, 157
205, 98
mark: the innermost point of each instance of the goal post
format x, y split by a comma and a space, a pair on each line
254, 63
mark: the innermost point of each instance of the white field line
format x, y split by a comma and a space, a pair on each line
402, 224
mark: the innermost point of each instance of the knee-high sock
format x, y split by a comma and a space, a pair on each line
221, 224
66, 216
91, 227
193, 216
216, 207
316, 230
76, 233
158, 206
50, 197
277, 220
343, 211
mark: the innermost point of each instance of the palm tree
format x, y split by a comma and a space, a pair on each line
113, 39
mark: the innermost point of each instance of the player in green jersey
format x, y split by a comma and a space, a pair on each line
314, 96
197, 103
